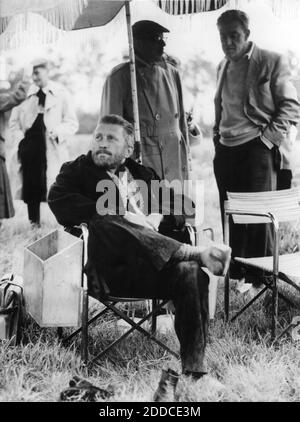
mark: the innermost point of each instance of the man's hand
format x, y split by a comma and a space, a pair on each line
151, 221
23, 84
53, 136
154, 220
216, 258
138, 219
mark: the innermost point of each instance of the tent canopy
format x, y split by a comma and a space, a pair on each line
282, 8
98, 13
64, 14
184, 7
79, 14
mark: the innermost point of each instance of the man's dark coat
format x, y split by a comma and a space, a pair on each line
120, 250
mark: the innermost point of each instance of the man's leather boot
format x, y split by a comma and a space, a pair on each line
167, 386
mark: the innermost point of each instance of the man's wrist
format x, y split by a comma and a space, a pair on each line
216, 138
266, 141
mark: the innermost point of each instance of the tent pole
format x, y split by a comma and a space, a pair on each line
133, 86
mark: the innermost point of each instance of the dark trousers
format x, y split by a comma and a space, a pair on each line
246, 168
284, 179
125, 258
33, 208
188, 286
32, 155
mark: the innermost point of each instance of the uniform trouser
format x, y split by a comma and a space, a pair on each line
246, 168
125, 255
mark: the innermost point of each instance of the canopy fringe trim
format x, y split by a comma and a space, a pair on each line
184, 7
282, 8
59, 13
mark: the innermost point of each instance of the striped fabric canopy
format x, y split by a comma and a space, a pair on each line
183, 7
282, 8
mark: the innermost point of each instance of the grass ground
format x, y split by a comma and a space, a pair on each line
239, 354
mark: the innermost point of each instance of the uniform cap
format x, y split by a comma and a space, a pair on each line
41, 62
147, 29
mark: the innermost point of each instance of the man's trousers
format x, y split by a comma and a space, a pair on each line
246, 168
133, 261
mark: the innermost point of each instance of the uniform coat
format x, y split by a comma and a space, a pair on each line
163, 124
59, 117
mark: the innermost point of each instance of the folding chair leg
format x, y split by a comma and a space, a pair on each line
274, 308
249, 303
59, 333
90, 321
84, 333
226, 296
154, 317
134, 326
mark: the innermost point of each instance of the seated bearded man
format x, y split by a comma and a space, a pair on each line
125, 247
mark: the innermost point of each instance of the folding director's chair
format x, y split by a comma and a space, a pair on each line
110, 303
265, 207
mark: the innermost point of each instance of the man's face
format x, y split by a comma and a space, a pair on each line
234, 40
109, 146
151, 48
40, 76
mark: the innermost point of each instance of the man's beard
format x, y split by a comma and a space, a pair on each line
106, 161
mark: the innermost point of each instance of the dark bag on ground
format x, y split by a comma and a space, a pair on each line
12, 309
82, 390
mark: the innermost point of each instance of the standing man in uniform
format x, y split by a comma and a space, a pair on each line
256, 106
163, 123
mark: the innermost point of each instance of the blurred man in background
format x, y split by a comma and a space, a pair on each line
40, 127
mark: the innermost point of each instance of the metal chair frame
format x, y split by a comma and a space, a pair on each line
275, 275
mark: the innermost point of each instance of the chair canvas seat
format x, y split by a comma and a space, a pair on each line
289, 265
284, 205
125, 299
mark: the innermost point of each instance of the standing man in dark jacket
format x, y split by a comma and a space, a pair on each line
109, 191
163, 122
256, 106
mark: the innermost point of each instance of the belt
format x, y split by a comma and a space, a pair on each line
159, 130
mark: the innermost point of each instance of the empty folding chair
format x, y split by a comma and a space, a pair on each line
261, 208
